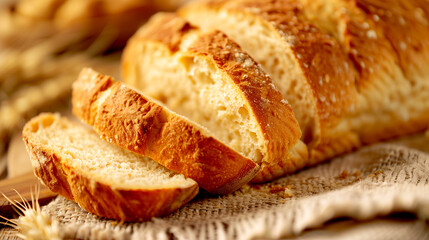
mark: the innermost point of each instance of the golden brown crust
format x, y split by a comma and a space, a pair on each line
391, 129
89, 94
125, 117
166, 28
98, 198
326, 67
372, 26
359, 36
342, 143
374, 34
48, 168
405, 25
362, 47
424, 6
296, 158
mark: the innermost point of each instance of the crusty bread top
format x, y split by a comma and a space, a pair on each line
327, 68
127, 118
424, 6
104, 179
274, 115
372, 54
391, 90
166, 28
405, 24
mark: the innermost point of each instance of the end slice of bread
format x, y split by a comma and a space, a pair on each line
102, 178
126, 117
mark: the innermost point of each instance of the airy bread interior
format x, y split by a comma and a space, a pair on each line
265, 45
193, 86
83, 150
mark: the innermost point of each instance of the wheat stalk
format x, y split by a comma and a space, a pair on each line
32, 223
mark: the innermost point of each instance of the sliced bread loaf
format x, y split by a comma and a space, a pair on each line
386, 42
208, 78
102, 178
308, 65
124, 116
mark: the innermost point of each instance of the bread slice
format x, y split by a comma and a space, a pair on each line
124, 116
388, 43
206, 77
308, 66
102, 178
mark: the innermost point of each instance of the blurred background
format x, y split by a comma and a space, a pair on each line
43, 46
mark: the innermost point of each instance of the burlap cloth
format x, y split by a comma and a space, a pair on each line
373, 182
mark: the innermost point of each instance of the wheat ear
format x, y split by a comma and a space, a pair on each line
32, 223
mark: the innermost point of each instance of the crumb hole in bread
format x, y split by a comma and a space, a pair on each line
201, 75
186, 62
244, 113
206, 117
62, 125
281, 72
71, 139
292, 86
259, 155
253, 136
46, 122
34, 127
276, 61
307, 137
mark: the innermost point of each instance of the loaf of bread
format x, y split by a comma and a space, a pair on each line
102, 178
208, 78
355, 72
126, 117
